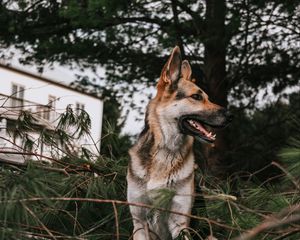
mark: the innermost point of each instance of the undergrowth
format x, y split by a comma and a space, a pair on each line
83, 196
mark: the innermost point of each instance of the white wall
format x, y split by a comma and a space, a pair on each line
38, 91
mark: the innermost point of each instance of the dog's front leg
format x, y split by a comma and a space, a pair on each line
177, 223
182, 202
136, 194
141, 230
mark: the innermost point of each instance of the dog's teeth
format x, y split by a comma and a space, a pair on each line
214, 136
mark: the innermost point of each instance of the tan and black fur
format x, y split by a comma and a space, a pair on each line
163, 156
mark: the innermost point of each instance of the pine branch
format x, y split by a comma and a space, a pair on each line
285, 217
293, 180
120, 202
39, 221
24, 164
66, 166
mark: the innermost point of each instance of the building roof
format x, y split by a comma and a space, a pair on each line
45, 79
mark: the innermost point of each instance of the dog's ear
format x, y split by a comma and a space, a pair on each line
186, 70
174, 65
171, 71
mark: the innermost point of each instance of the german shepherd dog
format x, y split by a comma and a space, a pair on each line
163, 156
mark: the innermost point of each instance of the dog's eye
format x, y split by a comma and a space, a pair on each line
197, 97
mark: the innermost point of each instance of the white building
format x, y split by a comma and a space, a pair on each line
45, 99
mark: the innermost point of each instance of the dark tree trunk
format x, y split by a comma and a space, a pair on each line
217, 89
215, 72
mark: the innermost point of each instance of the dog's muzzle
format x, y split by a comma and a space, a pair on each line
197, 125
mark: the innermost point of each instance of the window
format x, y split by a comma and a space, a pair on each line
43, 112
47, 112
79, 107
39, 111
17, 96
3, 126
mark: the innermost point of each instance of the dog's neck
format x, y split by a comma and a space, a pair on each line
160, 147
169, 137
166, 133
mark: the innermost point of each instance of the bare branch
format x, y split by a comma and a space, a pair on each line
117, 221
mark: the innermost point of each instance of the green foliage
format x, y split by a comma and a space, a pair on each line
81, 122
25, 123
83, 197
77, 219
130, 38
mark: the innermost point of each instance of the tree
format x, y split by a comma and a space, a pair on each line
236, 47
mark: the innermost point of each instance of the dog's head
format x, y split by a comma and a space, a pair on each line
183, 105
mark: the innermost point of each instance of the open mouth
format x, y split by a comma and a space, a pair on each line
197, 128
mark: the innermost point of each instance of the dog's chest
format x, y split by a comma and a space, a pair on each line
170, 170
